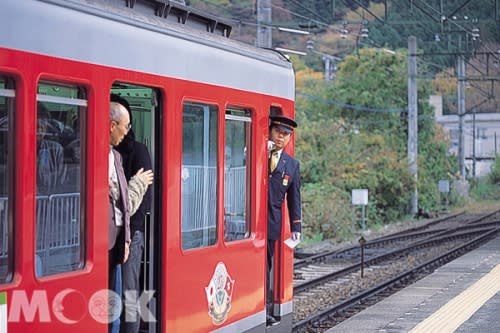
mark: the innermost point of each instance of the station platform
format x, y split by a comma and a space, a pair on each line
461, 296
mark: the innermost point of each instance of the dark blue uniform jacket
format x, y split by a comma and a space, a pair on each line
285, 180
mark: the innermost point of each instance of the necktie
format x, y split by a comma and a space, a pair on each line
273, 161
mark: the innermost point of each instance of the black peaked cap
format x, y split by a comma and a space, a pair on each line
283, 123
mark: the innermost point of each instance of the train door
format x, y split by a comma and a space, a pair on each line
281, 275
144, 103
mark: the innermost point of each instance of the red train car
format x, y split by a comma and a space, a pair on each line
201, 103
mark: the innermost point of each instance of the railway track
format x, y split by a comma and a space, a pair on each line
329, 288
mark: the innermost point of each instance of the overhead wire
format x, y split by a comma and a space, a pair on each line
308, 9
300, 15
443, 17
269, 25
310, 19
322, 23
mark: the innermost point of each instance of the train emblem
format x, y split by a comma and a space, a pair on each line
219, 294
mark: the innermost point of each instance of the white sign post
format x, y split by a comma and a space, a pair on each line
444, 190
359, 202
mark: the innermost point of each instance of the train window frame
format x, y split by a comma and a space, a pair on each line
189, 238
57, 198
7, 228
237, 223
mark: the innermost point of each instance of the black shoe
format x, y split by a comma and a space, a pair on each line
270, 320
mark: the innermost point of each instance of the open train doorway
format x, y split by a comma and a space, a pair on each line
282, 200
140, 275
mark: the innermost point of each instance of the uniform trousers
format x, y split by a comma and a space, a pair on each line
270, 276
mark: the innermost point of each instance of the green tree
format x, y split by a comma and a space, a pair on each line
354, 135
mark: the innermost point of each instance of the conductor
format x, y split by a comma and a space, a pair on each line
284, 182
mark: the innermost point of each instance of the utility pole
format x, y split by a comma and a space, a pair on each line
330, 68
264, 32
461, 115
328, 60
412, 120
474, 142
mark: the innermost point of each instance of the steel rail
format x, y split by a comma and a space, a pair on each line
448, 235
330, 311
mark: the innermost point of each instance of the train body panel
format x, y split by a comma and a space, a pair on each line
203, 114
129, 43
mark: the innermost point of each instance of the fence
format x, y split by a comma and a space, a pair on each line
235, 201
199, 202
58, 228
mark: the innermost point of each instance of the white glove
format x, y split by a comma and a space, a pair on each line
296, 236
270, 146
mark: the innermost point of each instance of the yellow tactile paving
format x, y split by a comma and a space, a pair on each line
454, 313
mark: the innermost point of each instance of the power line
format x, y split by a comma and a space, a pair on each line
442, 18
273, 25
301, 16
308, 9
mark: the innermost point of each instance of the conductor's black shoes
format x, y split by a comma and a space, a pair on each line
270, 320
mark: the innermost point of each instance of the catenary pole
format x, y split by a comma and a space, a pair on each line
264, 32
461, 115
412, 120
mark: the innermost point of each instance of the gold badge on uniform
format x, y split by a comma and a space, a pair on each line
285, 180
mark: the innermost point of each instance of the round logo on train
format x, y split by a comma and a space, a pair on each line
219, 293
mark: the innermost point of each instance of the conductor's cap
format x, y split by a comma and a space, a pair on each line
283, 123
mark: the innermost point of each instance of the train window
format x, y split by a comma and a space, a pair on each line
237, 174
199, 175
59, 175
7, 95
